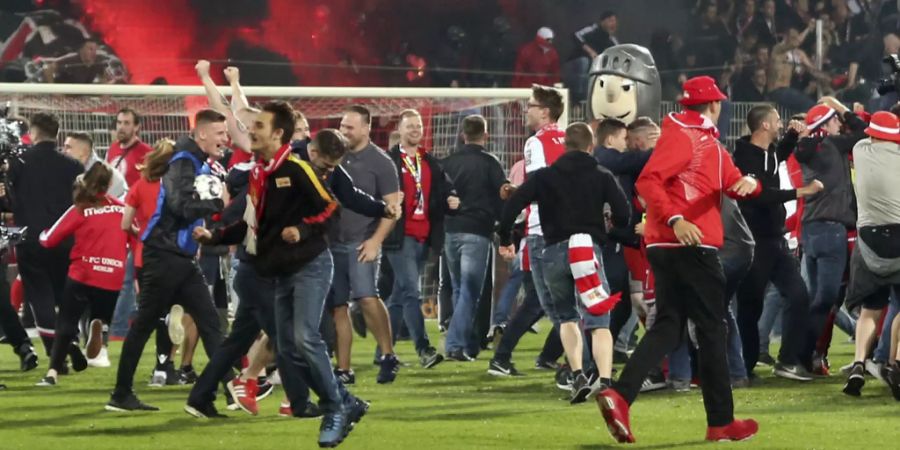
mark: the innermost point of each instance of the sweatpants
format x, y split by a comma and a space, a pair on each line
77, 297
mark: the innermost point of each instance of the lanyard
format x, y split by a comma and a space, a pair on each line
416, 173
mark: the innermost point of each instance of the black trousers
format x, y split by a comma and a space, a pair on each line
617, 276
525, 316
44, 273
773, 262
167, 279
690, 284
9, 319
77, 297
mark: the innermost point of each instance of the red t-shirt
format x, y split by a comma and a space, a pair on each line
133, 156
142, 196
238, 156
417, 225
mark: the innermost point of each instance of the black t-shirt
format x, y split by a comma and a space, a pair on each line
70, 69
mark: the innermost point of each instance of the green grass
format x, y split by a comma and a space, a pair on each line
454, 406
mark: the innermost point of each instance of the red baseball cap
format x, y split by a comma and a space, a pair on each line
885, 126
699, 90
818, 115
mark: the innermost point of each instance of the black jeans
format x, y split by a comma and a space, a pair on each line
526, 315
773, 262
617, 276
76, 298
167, 279
44, 273
9, 319
690, 284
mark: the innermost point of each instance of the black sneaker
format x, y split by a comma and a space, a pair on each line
564, 378
356, 409
345, 376
388, 371
430, 358
46, 381
892, 378
459, 356
794, 372
765, 359
128, 402
187, 375
856, 380
264, 388
28, 359
502, 369
543, 364
655, 381
619, 357
581, 387
311, 411
173, 377
79, 362
207, 411
333, 430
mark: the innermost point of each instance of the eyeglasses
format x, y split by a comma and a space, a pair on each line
535, 105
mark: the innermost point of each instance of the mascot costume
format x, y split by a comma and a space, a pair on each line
624, 84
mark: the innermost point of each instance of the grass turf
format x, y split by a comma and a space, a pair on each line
453, 406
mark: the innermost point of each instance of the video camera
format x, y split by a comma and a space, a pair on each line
10, 236
891, 84
11, 145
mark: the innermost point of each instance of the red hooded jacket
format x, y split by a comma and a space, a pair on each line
536, 57
687, 176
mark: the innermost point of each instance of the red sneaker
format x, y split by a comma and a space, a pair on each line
284, 410
615, 413
738, 430
244, 393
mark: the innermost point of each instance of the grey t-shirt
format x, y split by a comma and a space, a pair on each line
877, 195
374, 173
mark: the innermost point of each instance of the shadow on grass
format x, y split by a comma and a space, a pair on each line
111, 428
667, 445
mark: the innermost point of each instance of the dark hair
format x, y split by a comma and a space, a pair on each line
799, 116
90, 186
549, 98
134, 114
474, 127
640, 123
282, 118
607, 128
46, 125
206, 116
330, 143
757, 115
157, 162
701, 108
83, 137
579, 136
896, 109
362, 111
606, 15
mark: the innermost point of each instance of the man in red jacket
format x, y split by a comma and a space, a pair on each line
537, 61
683, 184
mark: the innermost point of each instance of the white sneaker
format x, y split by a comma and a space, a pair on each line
176, 328
102, 359
873, 368
158, 379
274, 378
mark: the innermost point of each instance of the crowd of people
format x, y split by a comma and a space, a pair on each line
606, 226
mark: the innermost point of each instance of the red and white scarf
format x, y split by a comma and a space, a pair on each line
256, 194
587, 272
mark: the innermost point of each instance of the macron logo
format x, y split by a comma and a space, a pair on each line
108, 209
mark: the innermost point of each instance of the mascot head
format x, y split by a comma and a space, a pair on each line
624, 84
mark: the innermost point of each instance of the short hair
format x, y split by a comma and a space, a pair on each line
474, 127
282, 118
207, 116
406, 113
362, 111
799, 116
640, 123
134, 114
699, 108
606, 15
330, 143
45, 124
579, 136
607, 128
757, 115
298, 116
895, 109
549, 98
83, 137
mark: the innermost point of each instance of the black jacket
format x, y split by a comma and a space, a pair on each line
40, 186
295, 197
477, 176
571, 195
627, 167
182, 205
441, 188
827, 159
765, 214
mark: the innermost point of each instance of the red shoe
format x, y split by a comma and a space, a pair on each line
284, 410
615, 413
739, 430
244, 393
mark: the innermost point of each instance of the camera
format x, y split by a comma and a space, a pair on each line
891, 84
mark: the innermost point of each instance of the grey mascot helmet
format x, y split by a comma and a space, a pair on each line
624, 84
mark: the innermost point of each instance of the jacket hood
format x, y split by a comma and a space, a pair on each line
691, 119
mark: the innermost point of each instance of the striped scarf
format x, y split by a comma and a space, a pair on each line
587, 272
256, 194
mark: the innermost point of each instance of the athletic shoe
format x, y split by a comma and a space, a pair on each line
175, 325
615, 413
128, 402
79, 362
357, 319
333, 429
534, 329
543, 364
28, 359
207, 411
264, 388
738, 430
46, 381
892, 378
188, 376
875, 369
311, 411
619, 357
794, 372
459, 356
655, 381
356, 408
564, 378
856, 380
157, 379
95, 339
820, 366
275, 377
244, 394
102, 359
740, 383
173, 377
581, 387
499, 368
430, 358
765, 359
388, 371
345, 376
845, 370
680, 385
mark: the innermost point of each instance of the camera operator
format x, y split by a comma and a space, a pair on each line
40, 188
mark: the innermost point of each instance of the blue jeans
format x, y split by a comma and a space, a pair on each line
405, 302
883, 350
735, 269
299, 303
467, 260
536, 262
566, 301
126, 305
825, 251
770, 322
509, 294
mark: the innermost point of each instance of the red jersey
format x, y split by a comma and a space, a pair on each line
101, 247
143, 197
417, 225
126, 160
541, 150
537, 63
238, 156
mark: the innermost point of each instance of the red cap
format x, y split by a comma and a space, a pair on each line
818, 115
884, 125
699, 90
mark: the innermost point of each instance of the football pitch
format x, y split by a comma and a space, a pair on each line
453, 406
